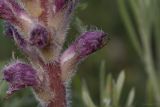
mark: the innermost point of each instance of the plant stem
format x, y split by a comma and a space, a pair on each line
144, 23
144, 26
157, 28
57, 86
102, 82
149, 66
128, 24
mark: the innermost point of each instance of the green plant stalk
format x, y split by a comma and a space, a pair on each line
130, 99
128, 24
102, 83
144, 31
157, 29
149, 66
146, 54
157, 38
119, 85
115, 102
86, 96
149, 93
109, 90
147, 58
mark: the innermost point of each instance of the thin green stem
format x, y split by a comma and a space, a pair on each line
144, 26
157, 29
129, 26
102, 83
149, 66
144, 22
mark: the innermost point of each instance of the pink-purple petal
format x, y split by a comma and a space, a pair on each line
89, 42
20, 75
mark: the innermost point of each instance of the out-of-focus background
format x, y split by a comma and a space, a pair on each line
132, 26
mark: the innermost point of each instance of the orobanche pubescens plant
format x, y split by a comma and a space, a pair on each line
39, 28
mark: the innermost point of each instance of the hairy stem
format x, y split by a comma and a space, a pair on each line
57, 86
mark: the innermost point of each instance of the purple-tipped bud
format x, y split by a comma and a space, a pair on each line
5, 11
19, 75
59, 4
16, 7
9, 9
89, 42
39, 37
11, 32
8, 30
86, 44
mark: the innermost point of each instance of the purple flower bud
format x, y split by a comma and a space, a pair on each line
19, 75
16, 7
12, 32
9, 9
59, 4
89, 42
5, 11
39, 36
86, 44
9, 32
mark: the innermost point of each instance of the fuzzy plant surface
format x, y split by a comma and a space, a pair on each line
39, 29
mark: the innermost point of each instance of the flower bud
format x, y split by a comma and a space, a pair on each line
19, 75
59, 4
86, 44
9, 10
6, 12
15, 6
89, 42
39, 36
9, 32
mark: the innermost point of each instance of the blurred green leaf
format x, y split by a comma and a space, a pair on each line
86, 97
129, 26
102, 81
83, 6
108, 91
79, 25
130, 98
119, 84
149, 93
